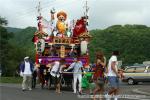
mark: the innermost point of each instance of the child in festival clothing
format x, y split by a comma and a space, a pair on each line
87, 83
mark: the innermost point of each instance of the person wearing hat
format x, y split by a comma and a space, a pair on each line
26, 70
77, 67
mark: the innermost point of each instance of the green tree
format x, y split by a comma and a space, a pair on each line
5, 47
132, 41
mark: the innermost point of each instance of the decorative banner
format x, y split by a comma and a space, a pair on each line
69, 60
80, 27
46, 26
62, 51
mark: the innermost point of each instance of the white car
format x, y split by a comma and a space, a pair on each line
135, 74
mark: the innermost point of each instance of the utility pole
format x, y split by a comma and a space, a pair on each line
39, 18
86, 9
39, 8
86, 13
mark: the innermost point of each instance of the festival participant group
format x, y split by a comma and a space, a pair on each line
90, 81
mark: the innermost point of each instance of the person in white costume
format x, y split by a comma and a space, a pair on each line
56, 69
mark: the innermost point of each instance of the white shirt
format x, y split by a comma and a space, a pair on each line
27, 69
76, 67
55, 69
110, 71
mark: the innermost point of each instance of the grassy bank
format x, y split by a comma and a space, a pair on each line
10, 79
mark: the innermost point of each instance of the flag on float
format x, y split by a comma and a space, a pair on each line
47, 26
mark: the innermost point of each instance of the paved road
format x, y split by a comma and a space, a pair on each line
14, 92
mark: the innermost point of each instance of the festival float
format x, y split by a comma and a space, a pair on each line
60, 38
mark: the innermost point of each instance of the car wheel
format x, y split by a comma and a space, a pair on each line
130, 81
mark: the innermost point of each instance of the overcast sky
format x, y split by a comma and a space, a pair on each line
103, 13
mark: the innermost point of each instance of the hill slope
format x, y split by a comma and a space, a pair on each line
14, 30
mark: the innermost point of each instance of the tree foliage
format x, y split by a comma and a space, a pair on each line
22, 46
133, 42
14, 47
5, 46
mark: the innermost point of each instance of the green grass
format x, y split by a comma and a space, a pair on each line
10, 79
